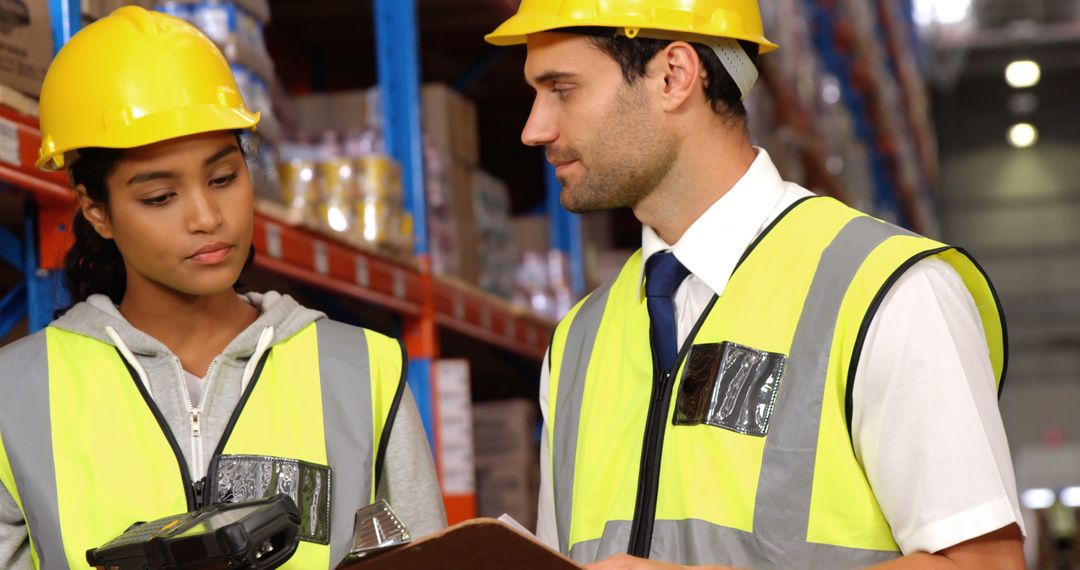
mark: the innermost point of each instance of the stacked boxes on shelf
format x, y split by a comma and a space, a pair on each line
450, 157
468, 209
454, 447
491, 209
507, 459
336, 177
236, 26
355, 198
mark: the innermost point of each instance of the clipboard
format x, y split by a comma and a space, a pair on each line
476, 544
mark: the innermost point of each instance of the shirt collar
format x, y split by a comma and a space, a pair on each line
712, 245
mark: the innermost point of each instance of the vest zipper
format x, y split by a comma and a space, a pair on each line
652, 447
649, 472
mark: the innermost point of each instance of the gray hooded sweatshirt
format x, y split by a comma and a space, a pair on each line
408, 481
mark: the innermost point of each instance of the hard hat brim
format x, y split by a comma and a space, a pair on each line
517, 28
147, 130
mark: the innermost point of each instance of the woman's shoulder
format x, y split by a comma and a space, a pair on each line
348, 337
24, 360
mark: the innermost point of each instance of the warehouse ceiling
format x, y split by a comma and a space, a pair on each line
993, 32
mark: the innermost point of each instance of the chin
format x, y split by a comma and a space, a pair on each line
204, 285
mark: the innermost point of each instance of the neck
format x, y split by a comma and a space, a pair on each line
709, 164
181, 321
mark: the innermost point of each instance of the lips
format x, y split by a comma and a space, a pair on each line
212, 253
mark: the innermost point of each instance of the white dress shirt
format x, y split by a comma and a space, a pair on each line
925, 421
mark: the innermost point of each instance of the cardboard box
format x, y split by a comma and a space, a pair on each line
312, 112
348, 109
505, 433
512, 489
26, 45
464, 219
449, 119
455, 427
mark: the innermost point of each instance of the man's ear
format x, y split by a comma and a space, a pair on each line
679, 66
94, 212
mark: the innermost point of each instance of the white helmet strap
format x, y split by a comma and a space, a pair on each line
737, 63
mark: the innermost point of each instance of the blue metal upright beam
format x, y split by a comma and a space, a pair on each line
42, 292
565, 227
396, 47
66, 16
13, 306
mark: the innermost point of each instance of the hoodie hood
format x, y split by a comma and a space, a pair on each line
97, 314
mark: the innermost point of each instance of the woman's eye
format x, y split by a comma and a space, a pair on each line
221, 181
157, 200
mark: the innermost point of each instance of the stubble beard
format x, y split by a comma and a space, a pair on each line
623, 161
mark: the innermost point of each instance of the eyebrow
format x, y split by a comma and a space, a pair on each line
225, 151
552, 76
165, 174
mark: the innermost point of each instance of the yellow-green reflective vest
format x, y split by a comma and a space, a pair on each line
773, 481
85, 453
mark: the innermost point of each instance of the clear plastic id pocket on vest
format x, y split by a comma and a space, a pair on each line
239, 478
729, 386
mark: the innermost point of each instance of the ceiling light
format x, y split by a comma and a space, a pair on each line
1070, 497
1037, 498
1023, 135
941, 12
1023, 73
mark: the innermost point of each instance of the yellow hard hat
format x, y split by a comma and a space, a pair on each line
134, 78
733, 19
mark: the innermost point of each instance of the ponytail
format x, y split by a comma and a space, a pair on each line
93, 265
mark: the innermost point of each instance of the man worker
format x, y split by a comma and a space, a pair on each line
774, 379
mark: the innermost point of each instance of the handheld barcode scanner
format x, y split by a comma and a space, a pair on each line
253, 534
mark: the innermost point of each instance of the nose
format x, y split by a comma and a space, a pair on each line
540, 129
203, 212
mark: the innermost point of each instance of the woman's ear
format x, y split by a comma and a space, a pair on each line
94, 212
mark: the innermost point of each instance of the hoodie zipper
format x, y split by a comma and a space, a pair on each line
195, 414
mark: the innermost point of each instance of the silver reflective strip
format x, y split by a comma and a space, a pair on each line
575, 363
737, 63
782, 508
345, 376
696, 542
27, 431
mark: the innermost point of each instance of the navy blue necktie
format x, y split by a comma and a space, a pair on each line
663, 273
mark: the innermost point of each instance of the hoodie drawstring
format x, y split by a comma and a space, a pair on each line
130, 358
261, 347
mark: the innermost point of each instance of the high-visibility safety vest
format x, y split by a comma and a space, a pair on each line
743, 457
85, 452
